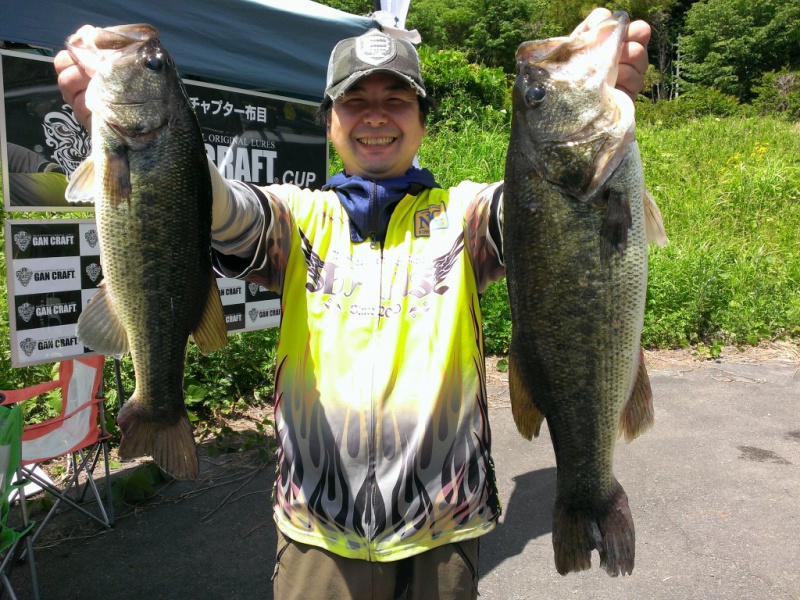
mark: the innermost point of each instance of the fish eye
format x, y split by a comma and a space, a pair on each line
155, 62
535, 94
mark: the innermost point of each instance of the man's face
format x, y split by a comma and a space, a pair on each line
376, 128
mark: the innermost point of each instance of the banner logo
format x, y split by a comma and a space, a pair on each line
26, 311
22, 239
93, 271
70, 142
24, 276
28, 345
91, 237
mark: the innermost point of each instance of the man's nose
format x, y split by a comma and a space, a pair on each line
375, 114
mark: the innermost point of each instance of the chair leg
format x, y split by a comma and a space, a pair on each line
89, 470
8, 587
28, 555
109, 491
62, 495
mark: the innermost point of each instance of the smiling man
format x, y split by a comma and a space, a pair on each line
384, 481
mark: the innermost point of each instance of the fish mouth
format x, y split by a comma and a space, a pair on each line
137, 132
120, 42
609, 34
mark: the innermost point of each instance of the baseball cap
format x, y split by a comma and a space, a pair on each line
372, 52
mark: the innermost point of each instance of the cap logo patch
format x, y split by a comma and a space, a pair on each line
375, 50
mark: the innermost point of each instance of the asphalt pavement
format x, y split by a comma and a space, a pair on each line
714, 490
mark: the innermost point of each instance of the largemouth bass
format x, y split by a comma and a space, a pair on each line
148, 176
575, 247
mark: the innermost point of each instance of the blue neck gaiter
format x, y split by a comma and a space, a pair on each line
369, 204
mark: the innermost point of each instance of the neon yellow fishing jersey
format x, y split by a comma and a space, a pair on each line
380, 394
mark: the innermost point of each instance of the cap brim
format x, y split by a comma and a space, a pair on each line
336, 91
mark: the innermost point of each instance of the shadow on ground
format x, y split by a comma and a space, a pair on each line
215, 538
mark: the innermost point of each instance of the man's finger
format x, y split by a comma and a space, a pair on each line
73, 81
595, 17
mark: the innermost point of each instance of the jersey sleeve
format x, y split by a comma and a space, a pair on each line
253, 240
484, 229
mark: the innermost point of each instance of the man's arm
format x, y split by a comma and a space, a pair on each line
239, 219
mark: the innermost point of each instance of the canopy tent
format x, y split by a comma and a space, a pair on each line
275, 46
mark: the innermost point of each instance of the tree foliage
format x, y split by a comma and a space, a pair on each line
487, 31
729, 44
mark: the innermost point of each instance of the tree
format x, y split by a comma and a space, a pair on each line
500, 26
728, 44
354, 7
441, 23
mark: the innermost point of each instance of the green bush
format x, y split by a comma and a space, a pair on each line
699, 102
496, 318
465, 91
778, 92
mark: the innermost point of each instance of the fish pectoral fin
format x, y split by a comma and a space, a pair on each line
653, 222
117, 177
638, 415
527, 415
616, 224
81, 183
211, 333
100, 328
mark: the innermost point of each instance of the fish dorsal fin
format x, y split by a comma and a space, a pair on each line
100, 328
211, 333
81, 183
653, 222
527, 416
638, 414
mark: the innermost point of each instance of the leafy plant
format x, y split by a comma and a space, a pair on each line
464, 91
138, 485
779, 92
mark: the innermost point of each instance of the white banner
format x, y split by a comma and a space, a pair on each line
53, 270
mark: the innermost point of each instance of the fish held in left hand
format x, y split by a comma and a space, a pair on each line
577, 221
148, 176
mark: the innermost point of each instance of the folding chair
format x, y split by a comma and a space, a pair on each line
79, 431
10, 467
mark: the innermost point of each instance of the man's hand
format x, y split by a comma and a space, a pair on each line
73, 81
634, 61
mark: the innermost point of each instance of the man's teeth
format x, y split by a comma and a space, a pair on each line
376, 141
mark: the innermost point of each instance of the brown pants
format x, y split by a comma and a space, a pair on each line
305, 572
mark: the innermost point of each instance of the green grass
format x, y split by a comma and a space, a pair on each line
729, 191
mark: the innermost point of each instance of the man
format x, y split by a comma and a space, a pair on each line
385, 480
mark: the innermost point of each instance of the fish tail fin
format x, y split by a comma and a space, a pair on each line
211, 333
638, 415
654, 222
527, 415
609, 530
171, 446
